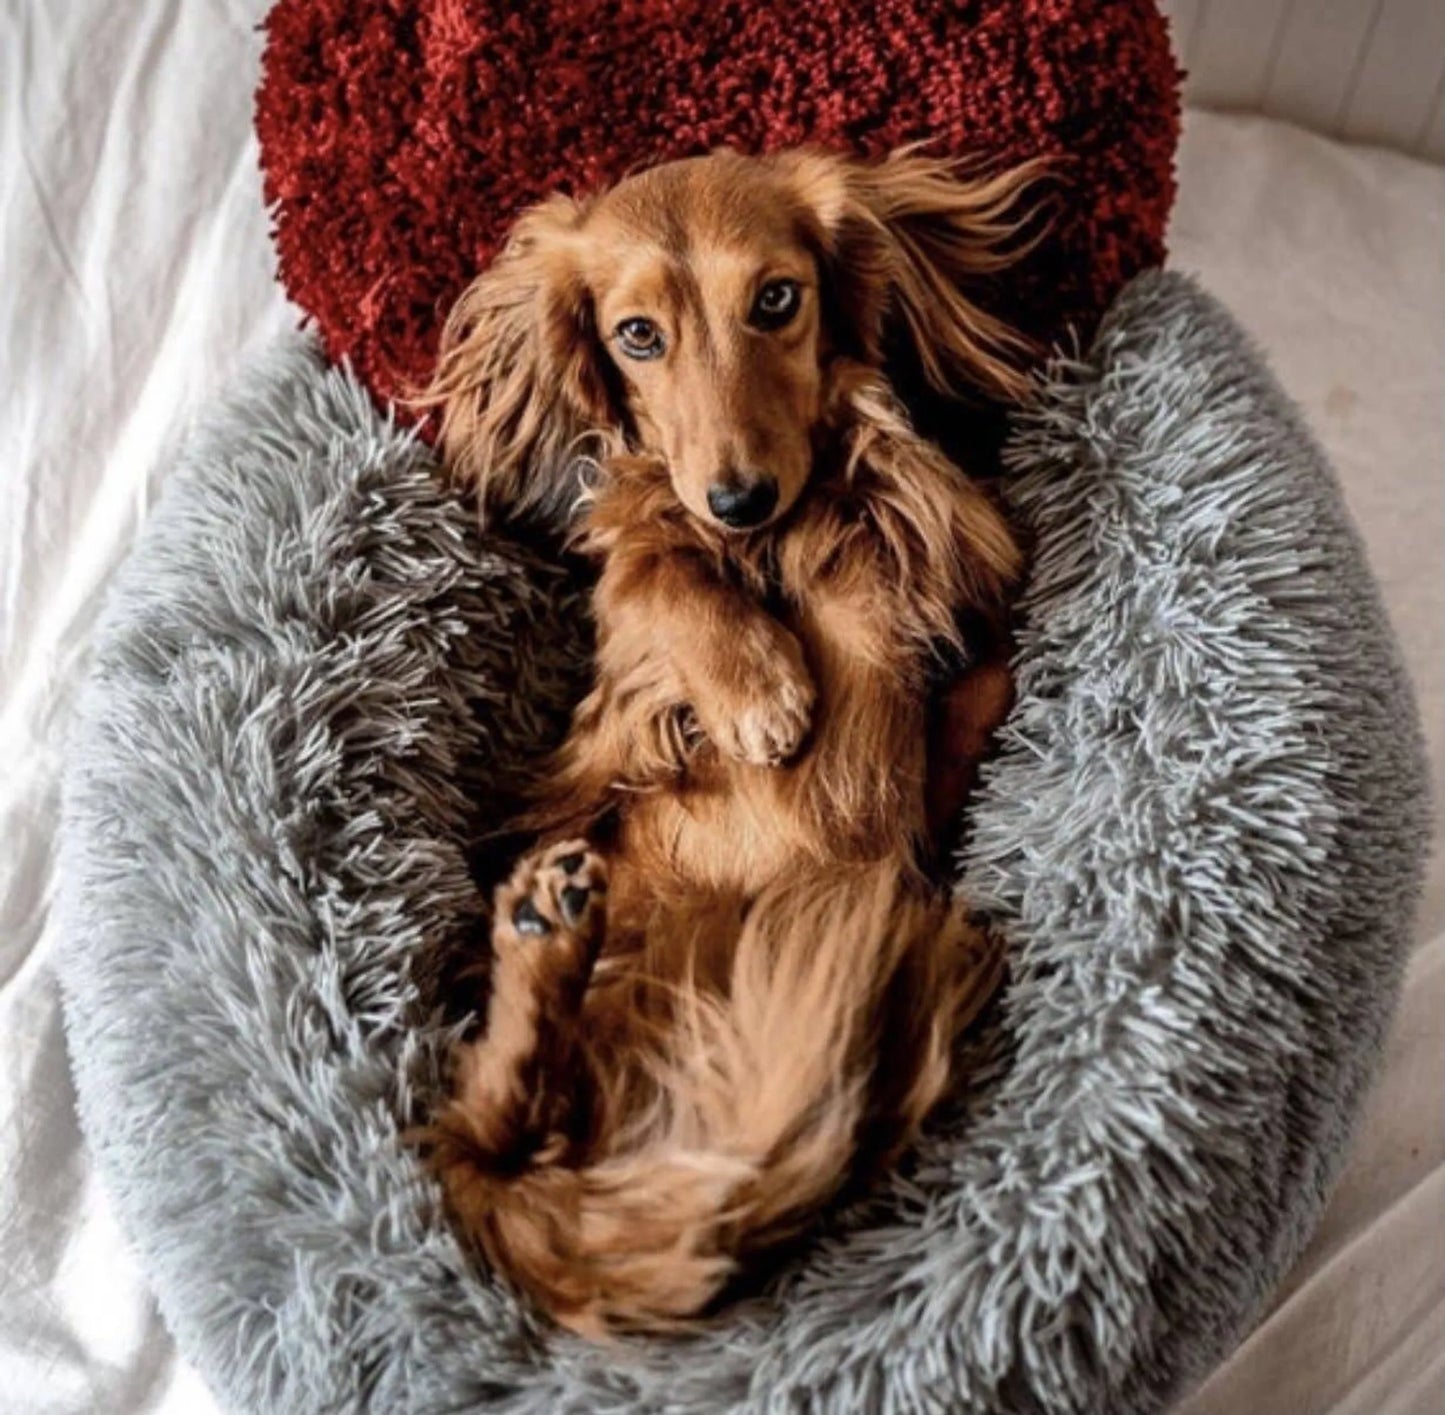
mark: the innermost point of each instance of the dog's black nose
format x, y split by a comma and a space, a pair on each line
739, 503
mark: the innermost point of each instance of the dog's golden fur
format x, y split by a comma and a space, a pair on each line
722, 983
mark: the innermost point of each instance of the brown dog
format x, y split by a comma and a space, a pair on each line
722, 983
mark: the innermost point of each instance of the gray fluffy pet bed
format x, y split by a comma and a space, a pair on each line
311, 690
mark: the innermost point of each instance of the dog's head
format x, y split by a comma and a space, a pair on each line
698, 311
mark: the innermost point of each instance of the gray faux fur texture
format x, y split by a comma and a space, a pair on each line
1204, 831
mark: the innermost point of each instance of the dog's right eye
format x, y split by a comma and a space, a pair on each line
776, 304
640, 338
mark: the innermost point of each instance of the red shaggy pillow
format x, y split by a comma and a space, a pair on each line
400, 138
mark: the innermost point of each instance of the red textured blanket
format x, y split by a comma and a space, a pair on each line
400, 138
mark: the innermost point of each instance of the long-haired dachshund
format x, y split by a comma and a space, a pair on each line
722, 983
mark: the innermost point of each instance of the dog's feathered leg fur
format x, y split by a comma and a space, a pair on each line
755, 1124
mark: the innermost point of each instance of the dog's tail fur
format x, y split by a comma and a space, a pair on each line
828, 1045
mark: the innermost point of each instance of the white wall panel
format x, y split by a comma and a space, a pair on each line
1183, 23
1400, 75
1236, 45
1323, 46
1432, 137
1367, 70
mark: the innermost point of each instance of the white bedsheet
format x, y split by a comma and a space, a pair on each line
135, 275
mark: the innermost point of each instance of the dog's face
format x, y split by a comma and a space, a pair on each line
696, 312
706, 298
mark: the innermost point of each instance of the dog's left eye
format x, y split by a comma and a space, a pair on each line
640, 338
776, 303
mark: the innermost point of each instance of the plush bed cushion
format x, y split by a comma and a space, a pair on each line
1203, 835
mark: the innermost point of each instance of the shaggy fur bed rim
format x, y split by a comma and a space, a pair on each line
1203, 833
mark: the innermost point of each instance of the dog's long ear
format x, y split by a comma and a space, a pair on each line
521, 378
904, 242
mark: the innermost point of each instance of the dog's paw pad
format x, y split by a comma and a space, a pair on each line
575, 899
528, 919
555, 894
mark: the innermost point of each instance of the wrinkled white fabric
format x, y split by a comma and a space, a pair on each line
135, 275
1334, 257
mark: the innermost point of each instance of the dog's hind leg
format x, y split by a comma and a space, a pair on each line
512, 1086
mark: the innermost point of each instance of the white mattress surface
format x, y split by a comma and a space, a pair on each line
135, 276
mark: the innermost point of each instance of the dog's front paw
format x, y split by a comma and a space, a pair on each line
759, 706
769, 730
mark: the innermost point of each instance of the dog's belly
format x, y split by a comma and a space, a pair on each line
731, 831
854, 796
